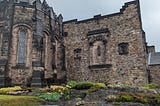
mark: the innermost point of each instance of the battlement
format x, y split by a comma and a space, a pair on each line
99, 16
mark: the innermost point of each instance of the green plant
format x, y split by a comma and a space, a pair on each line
125, 98
116, 103
10, 89
83, 85
80, 85
158, 100
151, 86
144, 100
72, 83
67, 97
50, 96
80, 95
112, 98
96, 87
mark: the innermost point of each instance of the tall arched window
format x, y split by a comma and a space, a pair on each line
21, 47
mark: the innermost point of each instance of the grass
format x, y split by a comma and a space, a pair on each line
7, 100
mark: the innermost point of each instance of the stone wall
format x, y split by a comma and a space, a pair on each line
154, 73
39, 25
106, 33
18, 72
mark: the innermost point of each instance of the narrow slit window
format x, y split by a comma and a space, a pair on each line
98, 51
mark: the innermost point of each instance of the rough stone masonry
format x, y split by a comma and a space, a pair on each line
37, 48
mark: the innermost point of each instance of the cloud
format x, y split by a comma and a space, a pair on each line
150, 10
83, 9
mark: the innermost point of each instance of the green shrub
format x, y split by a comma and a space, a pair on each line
117, 103
144, 100
96, 87
10, 89
137, 97
50, 96
158, 100
67, 97
72, 83
81, 95
80, 85
83, 85
125, 98
151, 86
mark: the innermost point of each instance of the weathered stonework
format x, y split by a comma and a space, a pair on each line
33, 39
154, 74
36, 22
107, 32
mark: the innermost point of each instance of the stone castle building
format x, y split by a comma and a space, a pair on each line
37, 47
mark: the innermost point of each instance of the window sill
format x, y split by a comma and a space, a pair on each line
123, 53
100, 66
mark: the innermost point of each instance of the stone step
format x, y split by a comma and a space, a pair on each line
36, 82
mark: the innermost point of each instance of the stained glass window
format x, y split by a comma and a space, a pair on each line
21, 47
4, 49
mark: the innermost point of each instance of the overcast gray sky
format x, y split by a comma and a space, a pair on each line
83, 9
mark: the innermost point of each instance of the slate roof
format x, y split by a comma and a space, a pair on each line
154, 58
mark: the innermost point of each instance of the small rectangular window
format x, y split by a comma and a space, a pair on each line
77, 53
123, 48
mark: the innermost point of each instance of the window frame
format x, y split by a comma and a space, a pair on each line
22, 46
123, 48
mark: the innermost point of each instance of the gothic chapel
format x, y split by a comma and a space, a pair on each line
38, 48
30, 42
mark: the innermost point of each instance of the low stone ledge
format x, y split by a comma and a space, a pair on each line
100, 66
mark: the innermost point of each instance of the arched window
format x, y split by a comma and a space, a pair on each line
21, 47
